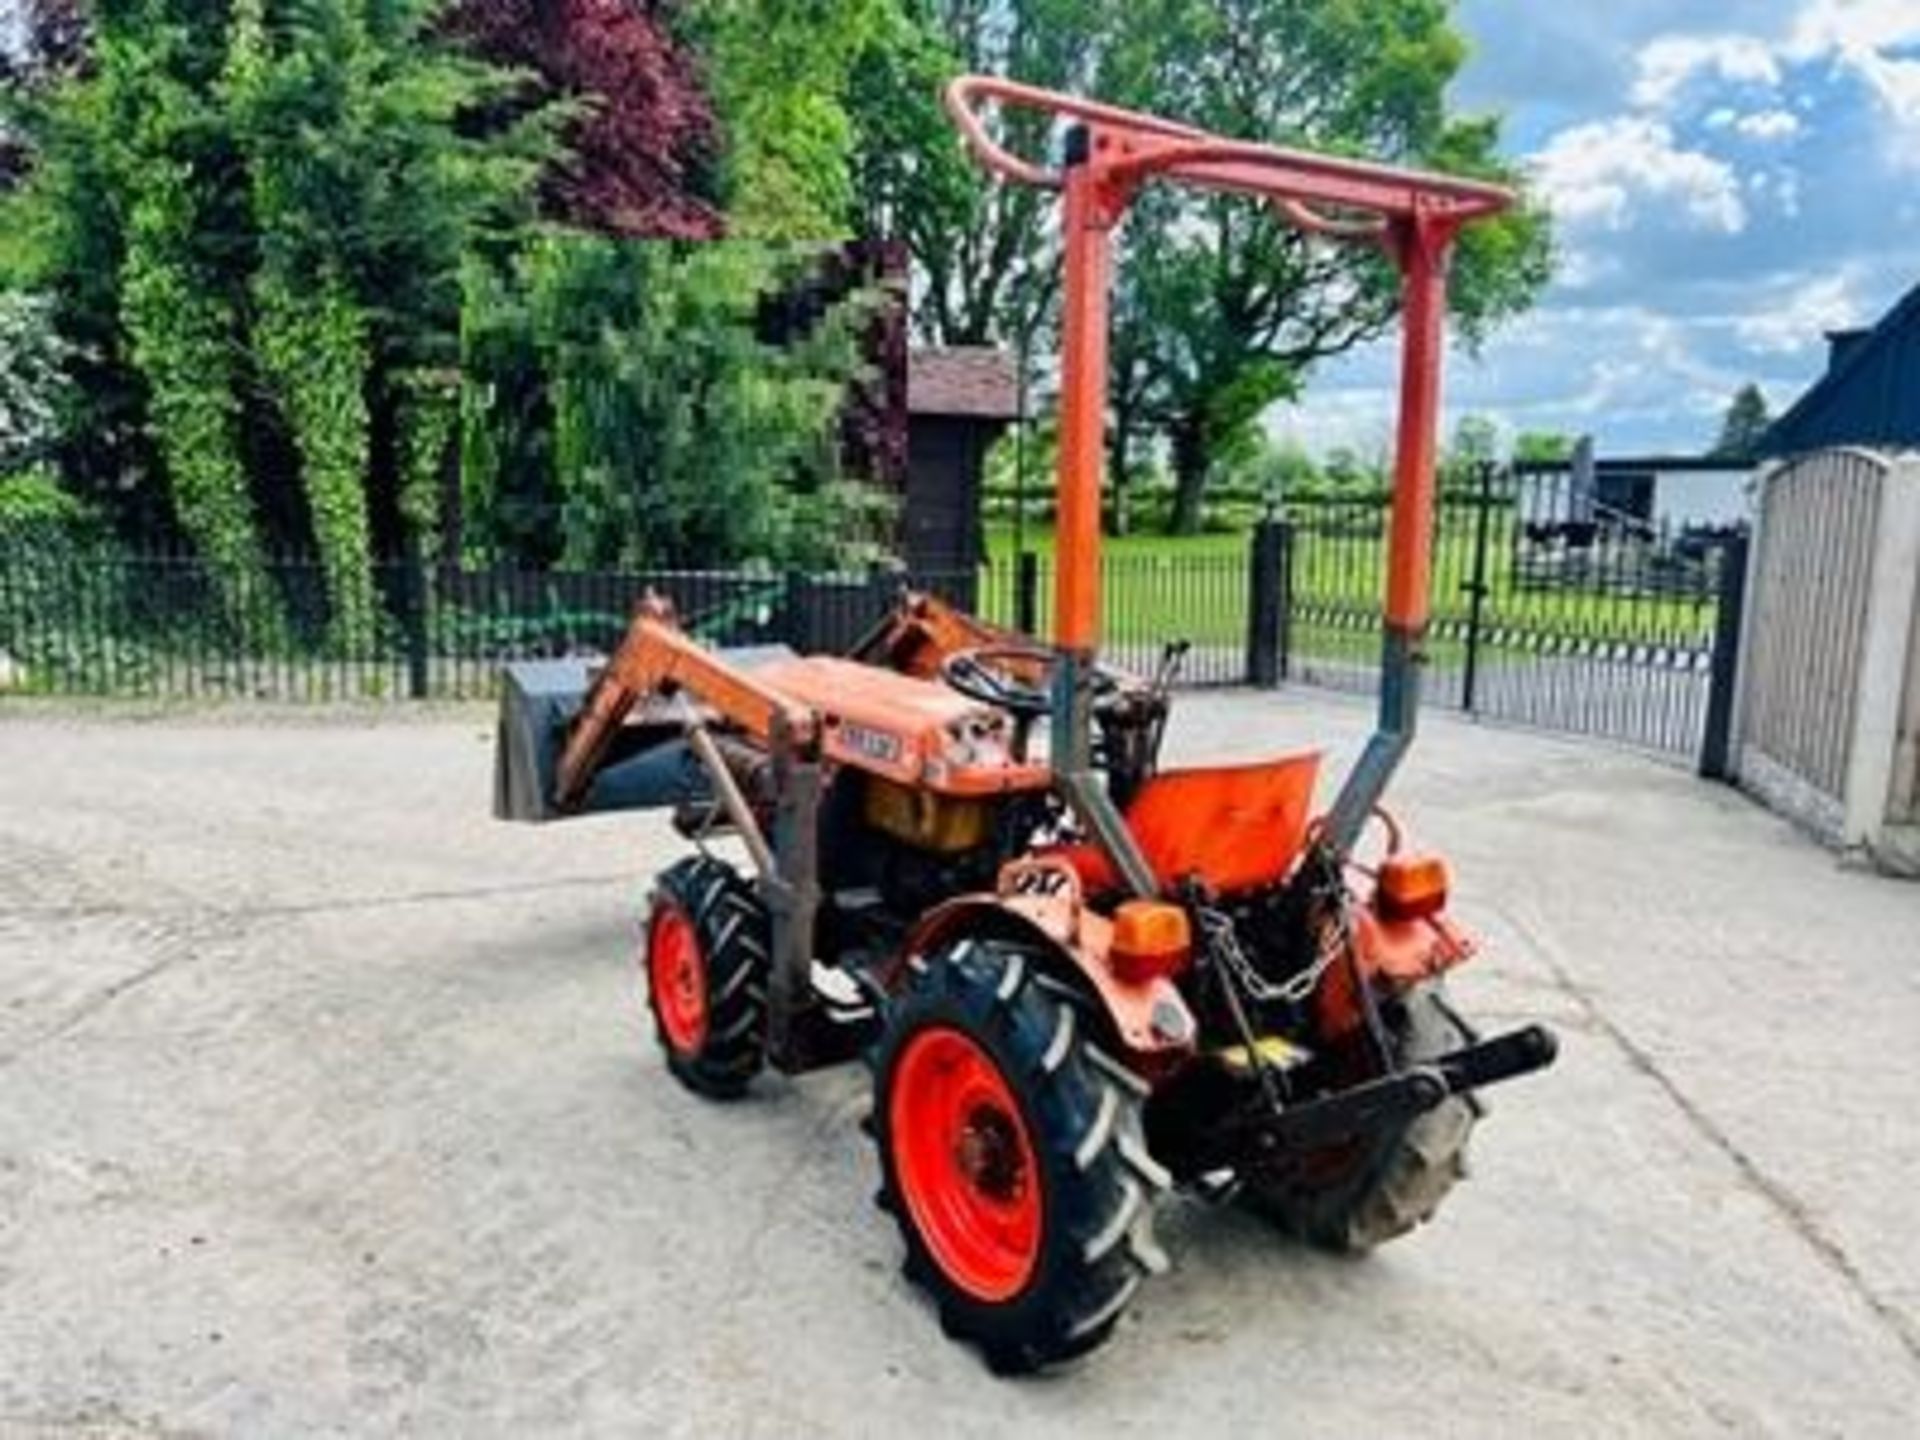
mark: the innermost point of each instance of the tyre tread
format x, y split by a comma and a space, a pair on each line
1086, 1123
732, 926
1403, 1184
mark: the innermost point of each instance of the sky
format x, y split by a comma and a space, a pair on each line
1731, 178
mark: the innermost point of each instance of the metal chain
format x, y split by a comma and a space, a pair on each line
1225, 945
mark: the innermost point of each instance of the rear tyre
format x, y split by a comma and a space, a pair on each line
1380, 1192
1012, 1158
706, 969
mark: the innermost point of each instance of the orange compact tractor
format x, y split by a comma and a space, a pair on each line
1079, 978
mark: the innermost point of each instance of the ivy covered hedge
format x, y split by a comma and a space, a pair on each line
294, 277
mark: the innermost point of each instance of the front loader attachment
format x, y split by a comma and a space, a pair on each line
538, 701
630, 753
647, 766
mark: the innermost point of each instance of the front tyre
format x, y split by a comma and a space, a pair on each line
1012, 1158
706, 967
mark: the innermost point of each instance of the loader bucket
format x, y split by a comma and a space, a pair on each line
650, 766
538, 698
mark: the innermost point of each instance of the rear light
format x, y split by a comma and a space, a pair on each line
1150, 939
1412, 887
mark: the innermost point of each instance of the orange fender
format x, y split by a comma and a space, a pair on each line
1149, 1015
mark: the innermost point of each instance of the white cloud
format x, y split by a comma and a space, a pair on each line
1799, 319
1897, 83
1648, 330
1669, 62
1763, 125
1786, 193
1768, 125
1867, 37
1600, 172
1354, 417
1851, 27
1872, 40
1624, 373
1782, 186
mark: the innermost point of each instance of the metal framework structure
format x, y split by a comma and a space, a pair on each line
1413, 217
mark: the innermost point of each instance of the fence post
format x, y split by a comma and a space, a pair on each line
1026, 592
1265, 580
797, 608
1716, 745
416, 586
1476, 589
1288, 538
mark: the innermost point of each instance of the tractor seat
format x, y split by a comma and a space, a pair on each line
1235, 827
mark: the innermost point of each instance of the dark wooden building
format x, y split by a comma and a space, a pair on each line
959, 402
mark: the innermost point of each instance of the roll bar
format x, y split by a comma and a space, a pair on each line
1411, 215
1296, 180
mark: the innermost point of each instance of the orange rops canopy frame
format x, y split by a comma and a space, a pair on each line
1412, 216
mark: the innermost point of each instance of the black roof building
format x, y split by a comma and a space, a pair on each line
1870, 394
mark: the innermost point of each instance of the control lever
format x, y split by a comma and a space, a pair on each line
1173, 656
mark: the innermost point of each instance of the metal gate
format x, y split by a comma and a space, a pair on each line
1560, 601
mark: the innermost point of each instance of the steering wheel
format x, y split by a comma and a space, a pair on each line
1014, 678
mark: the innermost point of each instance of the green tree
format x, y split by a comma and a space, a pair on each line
1234, 306
1744, 427
1475, 442
1346, 471
63, 237
251, 219
987, 254
1281, 469
1221, 310
174, 168
781, 72
363, 197
1543, 446
1476, 438
32, 381
652, 426
309, 333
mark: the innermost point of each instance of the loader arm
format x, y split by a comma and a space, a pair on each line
657, 658
921, 631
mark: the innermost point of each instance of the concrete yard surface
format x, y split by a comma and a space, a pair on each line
328, 1105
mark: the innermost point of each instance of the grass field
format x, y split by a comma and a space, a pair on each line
1159, 586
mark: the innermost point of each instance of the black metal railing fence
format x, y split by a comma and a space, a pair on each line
104, 621
1550, 609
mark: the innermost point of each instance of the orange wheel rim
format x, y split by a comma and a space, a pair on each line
965, 1163
677, 974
